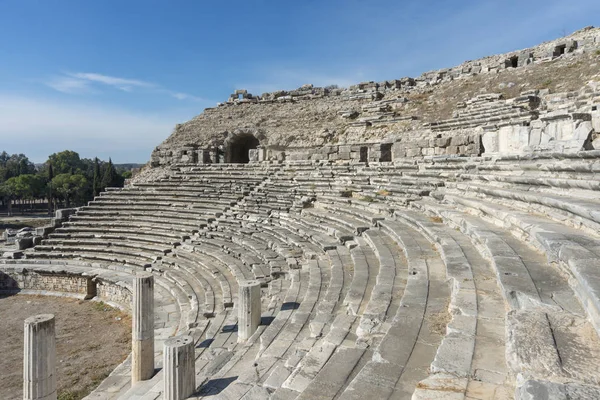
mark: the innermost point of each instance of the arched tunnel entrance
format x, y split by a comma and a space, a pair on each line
237, 149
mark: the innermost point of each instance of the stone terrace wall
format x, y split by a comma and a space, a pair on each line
315, 122
14, 279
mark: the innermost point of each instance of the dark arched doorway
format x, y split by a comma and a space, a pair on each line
237, 149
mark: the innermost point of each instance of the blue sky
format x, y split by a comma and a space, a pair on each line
111, 78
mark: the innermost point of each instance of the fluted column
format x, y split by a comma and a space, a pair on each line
179, 368
248, 308
142, 340
39, 358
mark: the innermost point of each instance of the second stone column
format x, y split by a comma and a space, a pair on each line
142, 341
248, 308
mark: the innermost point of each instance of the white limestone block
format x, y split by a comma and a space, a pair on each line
490, 142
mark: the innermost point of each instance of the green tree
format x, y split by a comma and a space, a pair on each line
96, 179
49, 185
7, 194
66, 162
69, 187
14, 165
26, 187
110, 177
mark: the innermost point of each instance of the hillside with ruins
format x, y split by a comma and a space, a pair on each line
513, 102
424, 238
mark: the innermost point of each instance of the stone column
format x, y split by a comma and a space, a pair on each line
39, 361
179, 368
248, 308
142, 340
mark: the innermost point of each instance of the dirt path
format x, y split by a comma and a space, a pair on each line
21, 221
91, 339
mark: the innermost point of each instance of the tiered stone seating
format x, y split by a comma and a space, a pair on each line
582, 100
443, 278
489, 109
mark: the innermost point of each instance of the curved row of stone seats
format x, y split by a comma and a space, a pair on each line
557, 212
152, 196
470, 361
135, 213
312, 231
341, 363
503, 388
300, 377
355, 225
278, 338
545, 322
576, 211
256, 252
179, 228
184, 220
284, 340
174, 204
234, 181
179, 185
124, 257
213, 363
151, 229
364, 212
163, 191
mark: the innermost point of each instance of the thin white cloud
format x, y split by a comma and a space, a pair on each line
119, 83
66, 84
39, 127
89, 82
184, 96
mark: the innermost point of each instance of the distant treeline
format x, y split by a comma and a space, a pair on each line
64, 180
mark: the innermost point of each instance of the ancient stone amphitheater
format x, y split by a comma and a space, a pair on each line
427, 238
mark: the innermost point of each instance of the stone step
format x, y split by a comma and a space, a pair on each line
539, 296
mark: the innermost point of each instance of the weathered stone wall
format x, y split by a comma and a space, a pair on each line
20, 278
16, 278
114, 293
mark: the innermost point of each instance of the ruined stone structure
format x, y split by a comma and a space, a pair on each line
426, 238
249, 310
179, 360
396, 119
